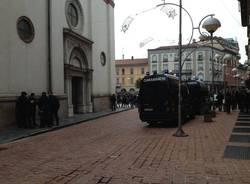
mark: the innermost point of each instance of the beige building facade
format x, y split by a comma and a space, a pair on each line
129, 72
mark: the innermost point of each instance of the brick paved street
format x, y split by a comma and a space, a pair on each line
119, 149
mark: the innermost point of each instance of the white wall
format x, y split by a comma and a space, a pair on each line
23, 66
103, 42
58, 21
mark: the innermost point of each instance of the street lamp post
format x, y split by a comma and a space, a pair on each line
180, 132
211, 25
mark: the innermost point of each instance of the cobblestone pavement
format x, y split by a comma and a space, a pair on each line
119, 149
14, 133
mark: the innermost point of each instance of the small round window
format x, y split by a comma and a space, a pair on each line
25, 29
73, 15
103, 59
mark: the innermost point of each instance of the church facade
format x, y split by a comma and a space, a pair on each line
66, 46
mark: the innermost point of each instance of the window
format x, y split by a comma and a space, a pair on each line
74, 14
165, 58
123, 71
154, 59
154, 67
188, 66
131, 71
188, 56
200, 67
25, 29
117, 81
117, 71
200, 56
165, 67
142, 71
131, 80
176, 66
170, 57
103, 59
176, 57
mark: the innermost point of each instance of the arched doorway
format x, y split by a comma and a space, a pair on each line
78, 82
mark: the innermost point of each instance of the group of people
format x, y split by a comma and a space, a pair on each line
26, 110
233, 100
123, 100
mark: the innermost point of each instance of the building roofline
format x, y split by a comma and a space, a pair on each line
140, 61
224, 42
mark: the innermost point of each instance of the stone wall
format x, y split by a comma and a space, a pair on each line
101, 103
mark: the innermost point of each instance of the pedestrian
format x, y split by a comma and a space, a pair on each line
220, 100
234, 100
113, 102
22, 110
228, 102
43, 110
32, 110
119, 100
53, 107
241, 100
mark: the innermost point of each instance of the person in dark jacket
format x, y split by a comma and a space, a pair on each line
32, 110
22, 110
233, 100
220, 100
53, 105
113, 102
241, 100
43, 110
228, 101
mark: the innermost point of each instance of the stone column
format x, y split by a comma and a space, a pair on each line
89, 92
84, 94
69, 95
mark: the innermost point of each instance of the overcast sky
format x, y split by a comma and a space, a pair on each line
156, 28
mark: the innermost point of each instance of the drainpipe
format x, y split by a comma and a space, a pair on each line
49, 46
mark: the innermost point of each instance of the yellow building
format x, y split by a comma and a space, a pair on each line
128, 72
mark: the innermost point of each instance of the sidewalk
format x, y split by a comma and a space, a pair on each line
16, 133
